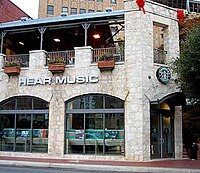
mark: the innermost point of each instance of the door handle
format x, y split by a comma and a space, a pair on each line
161, 140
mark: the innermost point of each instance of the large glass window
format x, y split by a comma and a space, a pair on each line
24, 125
95, 125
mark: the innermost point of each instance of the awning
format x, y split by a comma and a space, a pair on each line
175, 99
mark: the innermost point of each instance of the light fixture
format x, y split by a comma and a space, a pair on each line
56, 39
21, 43
96, 36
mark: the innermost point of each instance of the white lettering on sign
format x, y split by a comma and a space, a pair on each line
76, 79
58, 80
34, 81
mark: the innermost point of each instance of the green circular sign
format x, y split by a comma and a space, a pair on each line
163, 74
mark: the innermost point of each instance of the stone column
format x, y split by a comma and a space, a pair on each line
56, 125
1, 60
85, 56
37, 59
178, 133
138, 51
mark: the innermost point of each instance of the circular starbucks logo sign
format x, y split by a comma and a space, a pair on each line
163, 75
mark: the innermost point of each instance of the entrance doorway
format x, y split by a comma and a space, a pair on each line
162, 134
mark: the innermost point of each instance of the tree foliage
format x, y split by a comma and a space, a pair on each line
191, 125
188, 65
187, 26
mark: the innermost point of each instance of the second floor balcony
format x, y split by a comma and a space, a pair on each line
70, 58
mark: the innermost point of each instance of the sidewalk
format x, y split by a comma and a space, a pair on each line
161, 166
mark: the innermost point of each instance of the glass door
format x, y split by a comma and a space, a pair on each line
162, 136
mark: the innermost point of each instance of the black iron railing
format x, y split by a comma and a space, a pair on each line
21, 59
159, 56
114, 52
67, 56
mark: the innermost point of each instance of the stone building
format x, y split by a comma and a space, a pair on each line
49, 8
55, 8
114, 98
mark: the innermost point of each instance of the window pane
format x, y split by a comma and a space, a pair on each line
112, 103
73, 10
7, 132
23, 132
75, 133
90, 11
24, 103
50, 9
64, 9
8, 104
40, 104
82, 11
93, 102
114, 134
78, 103
94, 134
40, 133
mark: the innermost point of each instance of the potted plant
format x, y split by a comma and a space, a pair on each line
12, 68
56, 65
106, 61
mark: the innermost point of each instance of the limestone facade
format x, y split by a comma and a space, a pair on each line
133, 81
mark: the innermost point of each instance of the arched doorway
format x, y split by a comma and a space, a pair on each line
162, 124
95, 125
24, 124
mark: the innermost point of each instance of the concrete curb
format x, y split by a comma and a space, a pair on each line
97, 167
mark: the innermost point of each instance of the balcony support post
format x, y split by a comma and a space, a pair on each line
41, 30
3, 34
86, 26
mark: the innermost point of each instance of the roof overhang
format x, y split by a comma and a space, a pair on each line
175, 99
97, 17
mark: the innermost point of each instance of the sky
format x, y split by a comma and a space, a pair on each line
28, 6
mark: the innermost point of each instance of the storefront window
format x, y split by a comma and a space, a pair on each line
92, 127
23, 128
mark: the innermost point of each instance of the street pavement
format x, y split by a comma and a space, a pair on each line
153, 166
14, 169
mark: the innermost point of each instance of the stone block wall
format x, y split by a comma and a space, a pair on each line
133, 81
142, 83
